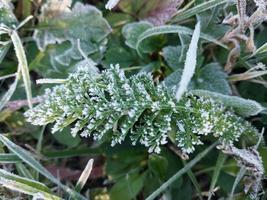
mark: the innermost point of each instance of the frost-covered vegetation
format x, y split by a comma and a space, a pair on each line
133, 99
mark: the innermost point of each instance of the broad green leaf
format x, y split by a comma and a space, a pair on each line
171, 55
82, 22
244, 107
6, 15
158, 165
159, 30
29, 159
66, 138
212, 78
118, 54
173, 79
24, 185
182, 171
128, 187
198, 9
132, 31
190, 63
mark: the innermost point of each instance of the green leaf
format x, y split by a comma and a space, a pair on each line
244, 107
6, 15
23, 65
261, 49
118, 54
212, 78
194, 181
66, 138
83, 22
198, 9
128, 187
9, 158
26, 186
238, 178
159, 30
219, 164
29, 159
132, 31
182, 171
158, 165
171, 55
23, 171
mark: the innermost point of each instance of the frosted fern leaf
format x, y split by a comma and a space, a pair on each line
113, 105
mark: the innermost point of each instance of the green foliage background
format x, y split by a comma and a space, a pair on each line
147, 36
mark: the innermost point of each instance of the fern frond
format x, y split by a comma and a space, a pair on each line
112, 105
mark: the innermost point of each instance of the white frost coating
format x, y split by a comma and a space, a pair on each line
111, 4
190, 63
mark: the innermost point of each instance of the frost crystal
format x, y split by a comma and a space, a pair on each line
111, 4
135, 108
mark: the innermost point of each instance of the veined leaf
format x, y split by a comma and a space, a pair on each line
83, 23
171, 29
244, 107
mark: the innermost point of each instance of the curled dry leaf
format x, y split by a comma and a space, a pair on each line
251, 160
237, 34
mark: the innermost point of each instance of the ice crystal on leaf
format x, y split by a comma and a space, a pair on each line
112, 104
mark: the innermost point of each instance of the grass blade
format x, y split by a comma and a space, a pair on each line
84, 176
262, 49
9, 93
3, 52
23, 171
198, 9
219, 164
23, 65
29, 159
24, 185
190, 63
194, 181
9, 158
164, 186
238, 178
158, 30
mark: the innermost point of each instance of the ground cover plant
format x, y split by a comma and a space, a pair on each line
133, 99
